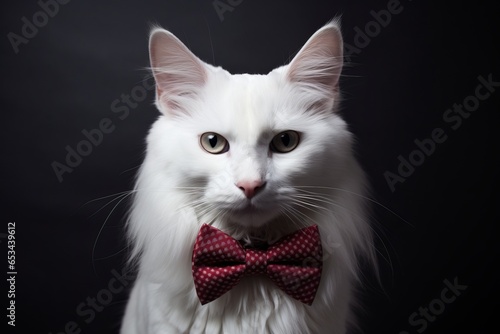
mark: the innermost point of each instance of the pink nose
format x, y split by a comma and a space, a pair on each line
250, 188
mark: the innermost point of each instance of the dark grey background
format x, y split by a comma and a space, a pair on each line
397, 88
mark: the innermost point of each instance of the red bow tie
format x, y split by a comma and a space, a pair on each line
293, 263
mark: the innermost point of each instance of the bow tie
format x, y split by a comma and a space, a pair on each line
293, 263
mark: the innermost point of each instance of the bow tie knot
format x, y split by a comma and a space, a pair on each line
293, 263
256, 261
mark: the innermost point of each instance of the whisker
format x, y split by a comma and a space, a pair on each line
117, 198
324, 199
128, 170
104, 197
286, 211
362, 196
111, 255
102, 227
307, 206
300, 213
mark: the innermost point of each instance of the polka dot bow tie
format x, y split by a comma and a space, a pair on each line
293, 263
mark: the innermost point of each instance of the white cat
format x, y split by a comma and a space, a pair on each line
258, 157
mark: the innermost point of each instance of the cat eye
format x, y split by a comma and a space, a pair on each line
284, 142
214, 143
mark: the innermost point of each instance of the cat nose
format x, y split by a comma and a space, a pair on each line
251, 187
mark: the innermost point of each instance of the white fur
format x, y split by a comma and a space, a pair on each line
180, 186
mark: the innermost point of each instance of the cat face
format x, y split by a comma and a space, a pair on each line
240, 146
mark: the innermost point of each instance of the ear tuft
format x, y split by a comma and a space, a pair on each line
319, 63
178, 73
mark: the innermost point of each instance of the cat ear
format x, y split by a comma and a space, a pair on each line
178, 73
319, 63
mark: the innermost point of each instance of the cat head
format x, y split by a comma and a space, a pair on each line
243, 148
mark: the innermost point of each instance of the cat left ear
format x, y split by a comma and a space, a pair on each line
319, 63
178, 73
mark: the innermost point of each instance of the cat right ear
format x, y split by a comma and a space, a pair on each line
178, 73
317, 66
